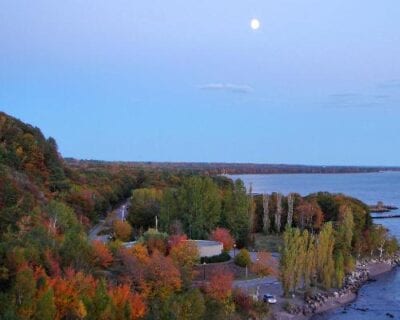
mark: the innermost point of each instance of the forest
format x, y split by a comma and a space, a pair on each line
50, 270
241, 168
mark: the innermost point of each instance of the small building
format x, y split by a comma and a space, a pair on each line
208, 248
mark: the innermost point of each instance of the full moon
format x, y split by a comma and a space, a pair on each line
255, 24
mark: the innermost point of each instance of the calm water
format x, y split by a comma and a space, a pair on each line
380, 297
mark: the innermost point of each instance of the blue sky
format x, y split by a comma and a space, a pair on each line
318, 83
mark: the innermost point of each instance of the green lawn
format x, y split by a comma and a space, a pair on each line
270, 243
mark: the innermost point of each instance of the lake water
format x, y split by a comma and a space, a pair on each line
379, 298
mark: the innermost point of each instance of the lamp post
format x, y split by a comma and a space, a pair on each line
204, 271
234, 250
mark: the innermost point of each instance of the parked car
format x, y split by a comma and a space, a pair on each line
269, 298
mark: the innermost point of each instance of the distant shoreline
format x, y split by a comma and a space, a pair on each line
221, 168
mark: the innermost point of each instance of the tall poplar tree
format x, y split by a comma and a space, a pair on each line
290, 201
266, 218
278, 213
324, 255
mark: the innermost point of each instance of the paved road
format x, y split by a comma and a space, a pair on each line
265, 285
268, 285
93, 233
119, 213
122, 211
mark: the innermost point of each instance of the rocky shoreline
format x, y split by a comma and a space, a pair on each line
324, 301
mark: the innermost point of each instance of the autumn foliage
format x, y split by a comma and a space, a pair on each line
49, 268
265, 265
223, 235
122, 230
102, 256
124, 301
220, 285
175, 240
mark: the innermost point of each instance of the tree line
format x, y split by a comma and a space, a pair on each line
50, 270
195, 207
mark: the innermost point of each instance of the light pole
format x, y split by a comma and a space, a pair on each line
204, 271
234, 250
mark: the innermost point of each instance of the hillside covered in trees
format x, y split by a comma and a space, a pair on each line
49, 269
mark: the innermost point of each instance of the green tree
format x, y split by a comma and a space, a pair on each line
309, 260
236, 212
187, 306
61, 216
339, 269
169, 211
198, 205
145, 206
344, 239
75, 250
45, 309
293, 264
24, 292
324, 255
99, 307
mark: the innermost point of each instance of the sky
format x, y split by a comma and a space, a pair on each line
189, 80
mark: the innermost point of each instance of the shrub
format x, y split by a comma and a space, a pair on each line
243, 259
224, 256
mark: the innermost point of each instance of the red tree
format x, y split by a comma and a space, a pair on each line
122, 297
102, 256
175, 240
224, 236
220, 285
162, 276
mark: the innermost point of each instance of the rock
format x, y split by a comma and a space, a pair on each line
362, 309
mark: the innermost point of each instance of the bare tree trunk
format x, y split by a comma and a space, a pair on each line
278, 212
381, 249
266, 219
290, 210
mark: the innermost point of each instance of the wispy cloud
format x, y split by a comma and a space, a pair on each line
228, 87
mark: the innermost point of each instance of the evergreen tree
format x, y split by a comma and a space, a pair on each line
99, 307
45, 307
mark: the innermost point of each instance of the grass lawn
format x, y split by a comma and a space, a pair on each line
270, 243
